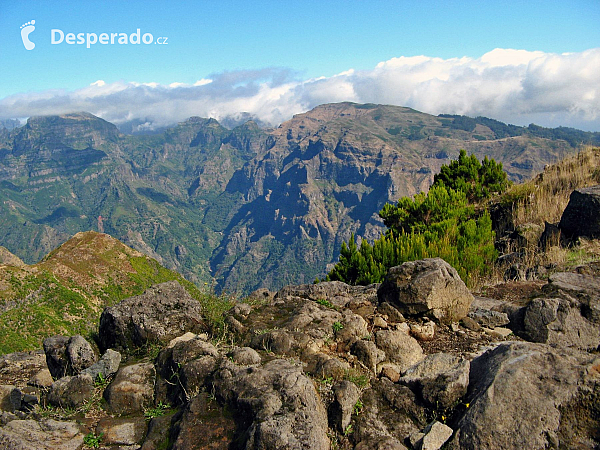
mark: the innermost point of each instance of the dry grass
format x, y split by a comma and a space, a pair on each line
545, 197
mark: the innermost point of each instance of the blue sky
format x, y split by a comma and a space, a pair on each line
259, 51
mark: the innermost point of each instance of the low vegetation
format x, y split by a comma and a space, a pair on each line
443, 222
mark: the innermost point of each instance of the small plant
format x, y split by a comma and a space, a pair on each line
338, 326
357, 408
360, 380
100, 381
327, 380
91, 440
325, 302
348, 430
157, 411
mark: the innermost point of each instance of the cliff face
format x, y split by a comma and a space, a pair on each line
247, 207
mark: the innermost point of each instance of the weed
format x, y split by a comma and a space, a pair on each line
357, 408
157, 411
359, 379
338, 326
348, 430
92, 440
326, 303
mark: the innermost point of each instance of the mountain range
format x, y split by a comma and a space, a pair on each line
247, 207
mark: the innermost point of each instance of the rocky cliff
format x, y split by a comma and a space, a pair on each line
246, 208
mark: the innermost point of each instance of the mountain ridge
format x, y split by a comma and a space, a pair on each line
243, 208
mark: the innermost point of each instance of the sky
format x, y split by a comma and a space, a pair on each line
515, 61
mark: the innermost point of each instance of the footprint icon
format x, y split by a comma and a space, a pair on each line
26, 29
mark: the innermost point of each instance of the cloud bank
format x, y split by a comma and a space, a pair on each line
514, 86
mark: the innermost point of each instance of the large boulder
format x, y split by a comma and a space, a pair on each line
68, 355
160, 314
278, 405
429, 286
581, 217
526, 395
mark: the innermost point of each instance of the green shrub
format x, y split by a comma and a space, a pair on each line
440, 223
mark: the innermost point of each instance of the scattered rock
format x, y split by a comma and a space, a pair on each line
121, 431
68, 355
158, 433
55, 348
554, 321
379, 322
162, 313
423, 332
368, 354
46, 434
10, 398
71, 391
498, 332
429, 286
106, 367
435, 435
582, 290
132, 390
470, 324
581, 217
245, 356
393, 315
391, 413
345, 396
489, 318
400, 349
80, 354
440, 378
204, 424
42, 379
392, 374
550, 236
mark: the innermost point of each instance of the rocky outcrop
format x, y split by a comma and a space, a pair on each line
429, 286
581, 218
160, 314
519, 393
330, 365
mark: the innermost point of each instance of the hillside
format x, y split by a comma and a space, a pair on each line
69, 288
245, 207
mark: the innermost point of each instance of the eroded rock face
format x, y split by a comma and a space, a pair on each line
279, 402
519, 392
160, 314
581, 217
429, 286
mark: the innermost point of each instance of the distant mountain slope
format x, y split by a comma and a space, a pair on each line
248, 207
66, 292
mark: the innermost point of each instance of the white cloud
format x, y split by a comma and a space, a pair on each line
516, 86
